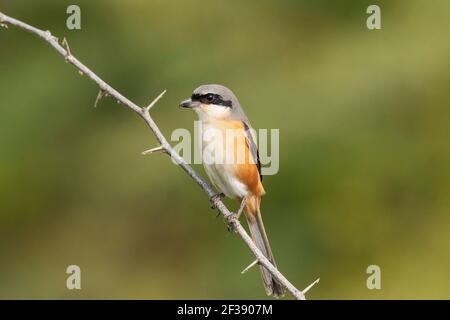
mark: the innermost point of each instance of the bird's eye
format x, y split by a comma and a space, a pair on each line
209, 97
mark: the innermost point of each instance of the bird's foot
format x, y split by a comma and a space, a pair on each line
214, 198
231, 219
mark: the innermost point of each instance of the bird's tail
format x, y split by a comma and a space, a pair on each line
272, 286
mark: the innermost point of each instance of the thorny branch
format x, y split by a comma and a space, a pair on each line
106, 89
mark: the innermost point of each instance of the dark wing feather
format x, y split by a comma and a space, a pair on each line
253, 148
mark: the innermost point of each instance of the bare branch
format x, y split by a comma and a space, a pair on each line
143, 112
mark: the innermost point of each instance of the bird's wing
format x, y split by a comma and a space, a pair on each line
253, 148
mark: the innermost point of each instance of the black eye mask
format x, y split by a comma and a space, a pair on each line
211, 98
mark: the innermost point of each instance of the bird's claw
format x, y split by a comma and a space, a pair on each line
230, 222
214, 198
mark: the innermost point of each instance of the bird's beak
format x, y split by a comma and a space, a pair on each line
188, 103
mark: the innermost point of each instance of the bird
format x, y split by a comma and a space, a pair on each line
233, 165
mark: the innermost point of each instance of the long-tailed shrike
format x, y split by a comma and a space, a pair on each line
231, 160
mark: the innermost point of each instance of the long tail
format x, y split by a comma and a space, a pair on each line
259, 236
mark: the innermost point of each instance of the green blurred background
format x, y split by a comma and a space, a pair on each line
364, 153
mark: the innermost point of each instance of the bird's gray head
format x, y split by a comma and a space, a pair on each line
214, 102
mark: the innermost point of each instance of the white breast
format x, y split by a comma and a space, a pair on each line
221, 173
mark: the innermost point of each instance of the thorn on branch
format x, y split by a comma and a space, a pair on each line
80, 73
153, 150
310, 286
100, 95
155, 101
65, 44
251, 265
